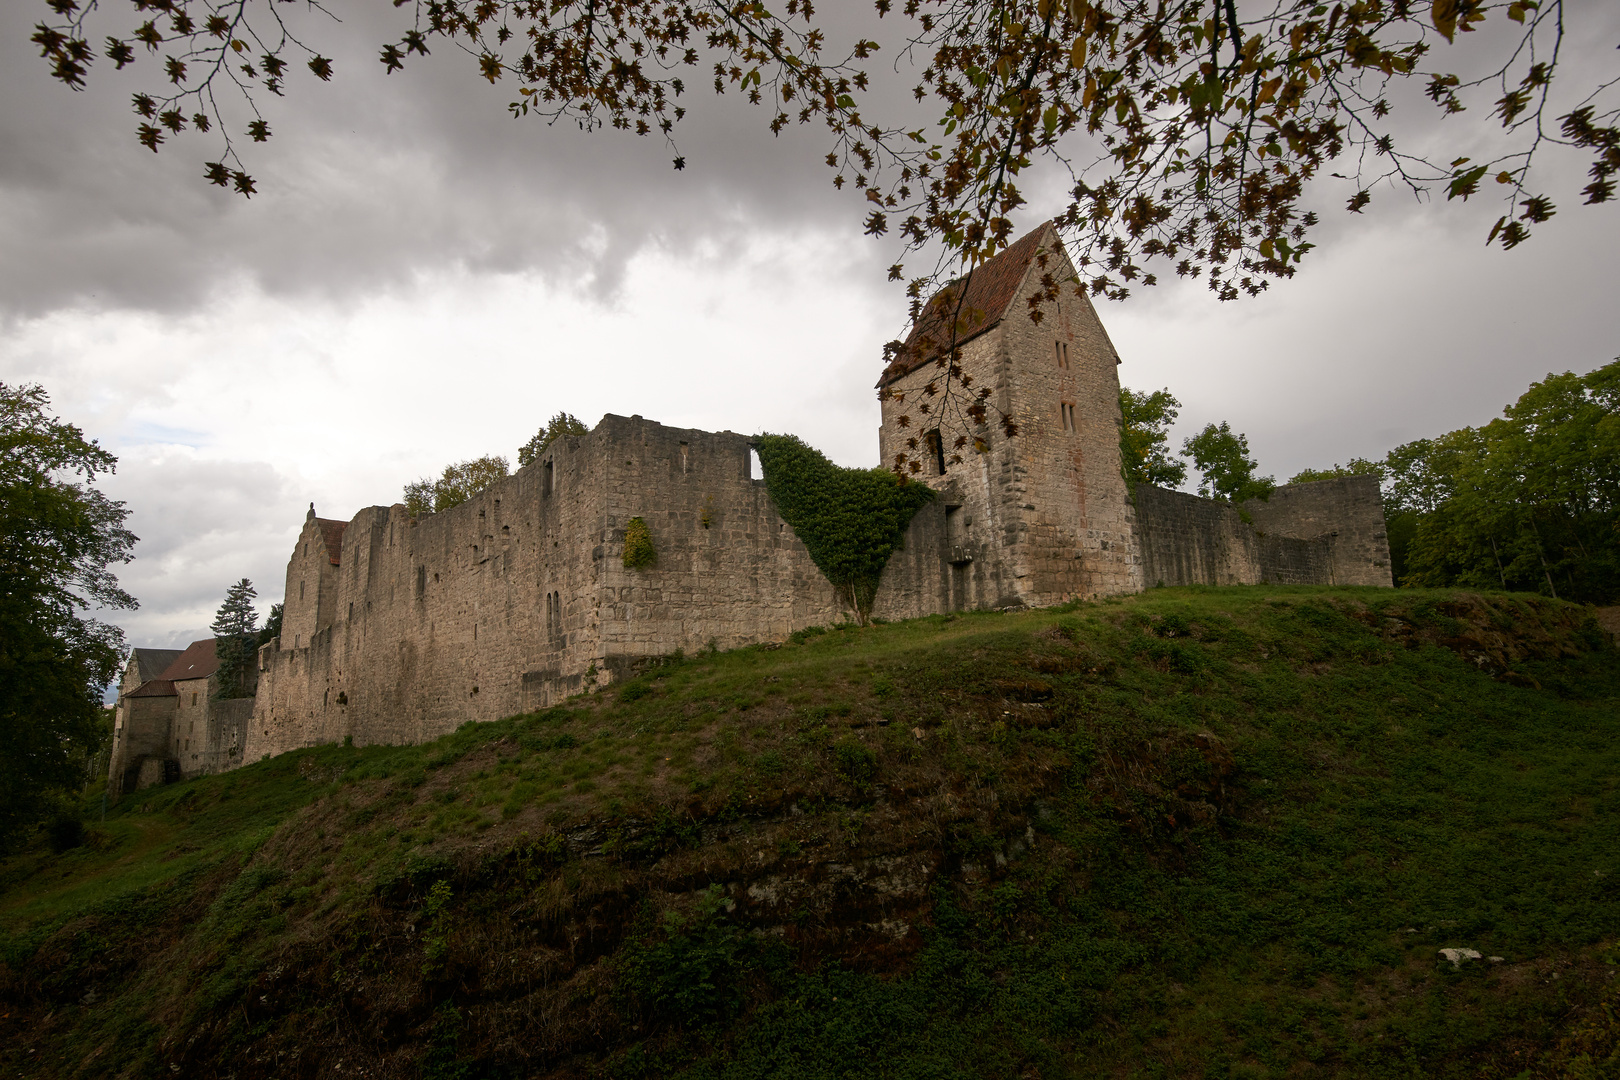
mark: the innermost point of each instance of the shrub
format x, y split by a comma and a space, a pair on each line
638, 545
855, 762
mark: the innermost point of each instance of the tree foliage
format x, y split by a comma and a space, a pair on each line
1357, 467
59, 539
236, 632
1144, 438
560, 425
1223, 462
455, 486
1187, 132
1530, 501
850, 520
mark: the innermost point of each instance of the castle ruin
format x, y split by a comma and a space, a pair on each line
397, 629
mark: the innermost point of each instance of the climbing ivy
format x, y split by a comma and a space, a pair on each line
638, 545
851, 520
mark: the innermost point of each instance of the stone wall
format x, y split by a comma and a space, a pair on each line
519, 596
1348, 511
1325, 533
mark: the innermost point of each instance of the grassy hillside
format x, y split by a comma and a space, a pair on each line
1195, 833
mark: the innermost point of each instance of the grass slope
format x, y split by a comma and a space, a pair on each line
1193, 833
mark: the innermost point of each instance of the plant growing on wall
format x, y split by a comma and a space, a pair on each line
851, 520
638, 545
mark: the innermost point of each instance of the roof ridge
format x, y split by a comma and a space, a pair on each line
991, 288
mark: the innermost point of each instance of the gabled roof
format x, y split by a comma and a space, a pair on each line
154, 688
149, 663
198, 662
332, 537
991, 290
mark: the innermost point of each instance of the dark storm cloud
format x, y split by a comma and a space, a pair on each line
367, 181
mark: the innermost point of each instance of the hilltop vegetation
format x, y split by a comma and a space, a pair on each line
1193, 833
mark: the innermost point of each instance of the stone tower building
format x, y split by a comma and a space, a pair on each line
1044, 516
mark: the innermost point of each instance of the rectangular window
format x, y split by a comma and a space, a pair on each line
755, 470
421, 581
1066, 413
545, 481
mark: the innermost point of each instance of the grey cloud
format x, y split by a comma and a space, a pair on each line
202, 525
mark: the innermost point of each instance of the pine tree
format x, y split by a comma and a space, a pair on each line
235, 628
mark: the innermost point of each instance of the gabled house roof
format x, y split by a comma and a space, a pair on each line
198, 662
149, 663
991, 290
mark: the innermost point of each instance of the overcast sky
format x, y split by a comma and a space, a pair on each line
424, 279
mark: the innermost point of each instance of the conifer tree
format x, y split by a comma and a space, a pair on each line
235, 628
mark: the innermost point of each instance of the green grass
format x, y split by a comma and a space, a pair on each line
1194, 833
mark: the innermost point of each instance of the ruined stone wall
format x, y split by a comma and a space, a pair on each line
1348, 510
517, 597
1186, 540
1326, 533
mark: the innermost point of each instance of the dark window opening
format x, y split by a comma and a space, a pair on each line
351, 610
421, 581
300, 590
545, 481
936, 449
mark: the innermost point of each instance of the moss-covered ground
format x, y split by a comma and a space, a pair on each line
1194, 833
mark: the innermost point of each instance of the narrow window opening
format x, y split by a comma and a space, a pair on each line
300, 590
545, 481
351, 610
306, 547
1066, 411
936, 448
1062, 349
755, 470
421, 581
686, 463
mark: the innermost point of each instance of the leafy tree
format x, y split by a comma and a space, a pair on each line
1198, 128
1530, 501
850, 520
459, 483
59, 538
1144, 438
560, 425
1223, 461
272, 625
1357, 467
236, 629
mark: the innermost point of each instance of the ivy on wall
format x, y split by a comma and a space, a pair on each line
638, 545
851, 520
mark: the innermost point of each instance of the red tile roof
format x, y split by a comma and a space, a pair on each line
154, 688
198, 662
332, 536
991, 289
